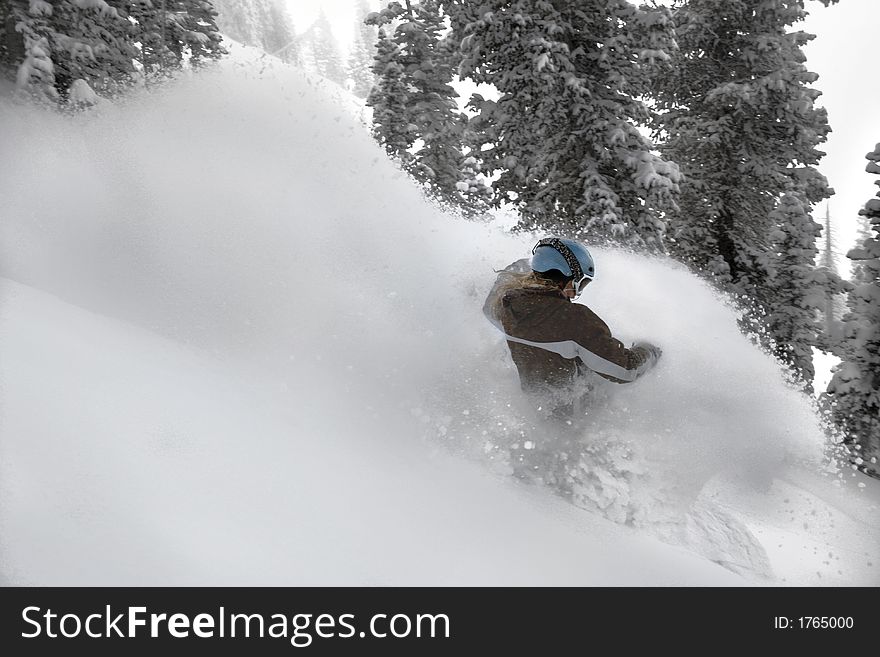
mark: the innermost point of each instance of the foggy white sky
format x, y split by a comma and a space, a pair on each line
842, 56
843, 53
340, 13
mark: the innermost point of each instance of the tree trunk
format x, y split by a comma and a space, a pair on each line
726, 246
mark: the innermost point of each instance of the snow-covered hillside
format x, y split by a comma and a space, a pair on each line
237, 346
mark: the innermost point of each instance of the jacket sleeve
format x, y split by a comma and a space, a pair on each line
603, 353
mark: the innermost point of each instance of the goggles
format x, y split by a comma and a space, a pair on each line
579, 285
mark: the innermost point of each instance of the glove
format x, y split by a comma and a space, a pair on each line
654, 352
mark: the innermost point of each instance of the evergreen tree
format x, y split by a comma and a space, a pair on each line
92, 44
853, 395
83, 41
360, 58
475, 195
10, 40
388, 99
833, 307
796, 289
34, 67
279, 35
154, 54
172, 32
563, 134
241, 20
323, 50
191, 30
739, 118
415, 112
263, 24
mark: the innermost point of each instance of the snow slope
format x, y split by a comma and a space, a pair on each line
239, 347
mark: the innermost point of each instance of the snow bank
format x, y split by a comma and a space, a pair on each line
296, 347
128, 459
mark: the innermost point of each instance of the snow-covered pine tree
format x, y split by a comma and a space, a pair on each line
54, 45
864, 232
240, 20
475, 193
322, 50
94, 45
11, 42
184, 30
171, 32
414, 69
191, 31
263, 24
360, 57
796, 289
740, 119
431, 106
833, 308
388, 99
33, 66
154, 54
564, 134
279, 35
853, 395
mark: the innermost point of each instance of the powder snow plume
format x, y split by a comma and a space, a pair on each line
239, 346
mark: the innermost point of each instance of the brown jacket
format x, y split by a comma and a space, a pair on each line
552, 339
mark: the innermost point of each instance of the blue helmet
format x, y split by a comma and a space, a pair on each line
570, 258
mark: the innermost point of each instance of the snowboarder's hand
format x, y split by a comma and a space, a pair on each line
654, 352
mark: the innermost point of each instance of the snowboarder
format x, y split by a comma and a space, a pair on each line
555, 343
